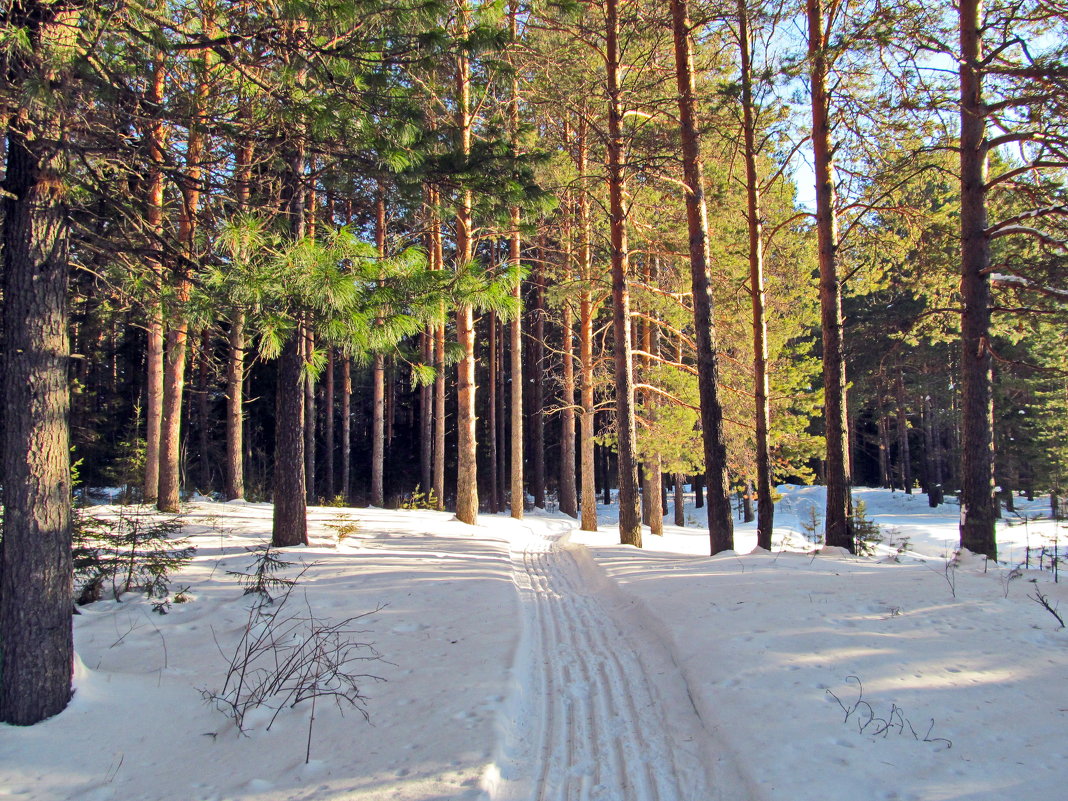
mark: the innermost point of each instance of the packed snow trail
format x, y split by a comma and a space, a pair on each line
584, 721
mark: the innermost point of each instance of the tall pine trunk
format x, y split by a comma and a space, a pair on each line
154, 141
977, 519
378, 379
568, 499
290, 525
466, 462
838, 530
586, 314
765, 503
36, 595
720, 521
630, 529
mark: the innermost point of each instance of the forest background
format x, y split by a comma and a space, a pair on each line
317, 251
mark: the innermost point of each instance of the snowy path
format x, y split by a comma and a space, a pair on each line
585, 720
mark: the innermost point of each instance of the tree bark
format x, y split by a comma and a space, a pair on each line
586, 314
765, 503
537, 374
290, 493
567, 484
154, 139
310, 420
904, 456
491, 423
346, 428
466, 461
36, 594
328, 425
838, 526
720, 521
378, 379
977, 520
680, 502
517, 492
630, 530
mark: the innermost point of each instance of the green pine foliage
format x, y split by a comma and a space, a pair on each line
134, 551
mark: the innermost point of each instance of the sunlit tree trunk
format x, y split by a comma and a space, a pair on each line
720, 522
838, 527
977, 519
586, 313
765, 503
154, 141
466, 462
630, 530
378, 379
36, 594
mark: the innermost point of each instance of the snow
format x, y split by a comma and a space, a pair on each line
526, 659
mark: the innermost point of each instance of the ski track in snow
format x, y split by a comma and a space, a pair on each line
584, 722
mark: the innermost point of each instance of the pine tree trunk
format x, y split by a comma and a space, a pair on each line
328, 425
378, 379
568, 499
154, 140
765, 503
309, 420
491, 401
586, 314
630, 530
904, 456
426, 418
437, 262
720, 521
466, 461
36, 595
290, 518
517, 491
680, 502
838, 518
537, 373
204, 413
656, 497
290, 501
346, 429
977, 522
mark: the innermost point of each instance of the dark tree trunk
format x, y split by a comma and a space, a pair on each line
290, 500
537, 374
329, 444
630, 530
466, 456
765, 503
698, 491
586, 315
346, 428
934, 474
904, 456
491, 412
680, 501
838, 527
426, 418
204, 413
154, 140
378, 380
568, 487
310, 421
35, 555
290, 518
977, 521
720, 522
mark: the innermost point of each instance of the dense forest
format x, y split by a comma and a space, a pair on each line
495, 256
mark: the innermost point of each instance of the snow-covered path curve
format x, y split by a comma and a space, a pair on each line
598, 709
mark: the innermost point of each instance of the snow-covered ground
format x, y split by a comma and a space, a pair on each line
525, 660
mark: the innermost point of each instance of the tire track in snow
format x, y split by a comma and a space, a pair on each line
584, 722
